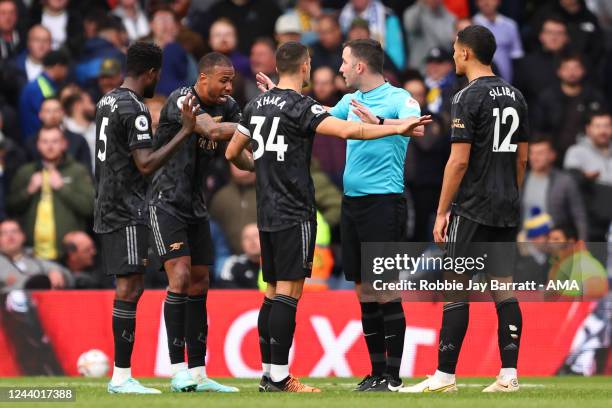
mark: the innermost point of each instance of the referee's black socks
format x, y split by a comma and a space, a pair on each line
282, 328
373, 326
509, 329
394, 332
174, 317
455, 319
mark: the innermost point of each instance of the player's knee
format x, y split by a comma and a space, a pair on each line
179, 276
199, 284
130, 291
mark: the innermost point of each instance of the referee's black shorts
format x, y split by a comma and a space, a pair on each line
371, 218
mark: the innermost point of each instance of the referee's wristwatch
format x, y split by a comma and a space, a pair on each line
381, 120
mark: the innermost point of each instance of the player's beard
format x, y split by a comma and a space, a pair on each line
149, 90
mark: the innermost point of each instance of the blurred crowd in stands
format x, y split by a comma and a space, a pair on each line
58, 57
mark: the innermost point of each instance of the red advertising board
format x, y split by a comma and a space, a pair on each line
328, 340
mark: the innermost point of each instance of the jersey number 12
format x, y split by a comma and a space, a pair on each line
505, 146
275, 143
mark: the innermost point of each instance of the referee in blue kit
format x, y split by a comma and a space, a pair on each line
374, 206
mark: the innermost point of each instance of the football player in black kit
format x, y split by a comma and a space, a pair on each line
124, 157
282, 123
483, 174
179, 217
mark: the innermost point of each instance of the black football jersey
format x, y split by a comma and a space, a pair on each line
179, 186
282, 124
123, 124
492, 116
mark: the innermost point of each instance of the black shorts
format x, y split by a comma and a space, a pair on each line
371, 218
124, 251
467, 238
287, 255
174, 238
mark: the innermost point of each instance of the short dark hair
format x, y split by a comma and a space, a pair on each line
290, 56
597, 114
213, 59
55, 57
267, 41
47, 129
568, 229
571, 55
70, 101
368, 51
480, 40
141, 57
542, 138
553, 18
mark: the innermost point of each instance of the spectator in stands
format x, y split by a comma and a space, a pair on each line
18, 265
591, 160
505, 30
51, 115
65, 25
308, 13
52, 196
385, 26
583, 28
424, 166
287, 28
223, 39
109, 78
242, 271
537, 71
562, 110
107, 43
551, 190
30, 61
440, 79
428, 25
262, 60
234, 206
79, 119
328, 50
133, 18
11, 40
45, 86
80, 259
164, 28
252, 18
328, 198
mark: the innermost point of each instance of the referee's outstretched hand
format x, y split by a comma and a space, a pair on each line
410, 126
264, 83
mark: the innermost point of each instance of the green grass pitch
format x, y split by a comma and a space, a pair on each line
536, 392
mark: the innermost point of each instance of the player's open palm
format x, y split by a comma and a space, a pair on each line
413, 126
188, 112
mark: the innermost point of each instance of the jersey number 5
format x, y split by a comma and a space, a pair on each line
102, 153
505, 146
275, 143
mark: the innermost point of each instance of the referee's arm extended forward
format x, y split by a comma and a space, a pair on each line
343, 129
367, 116
236, 152
453, 175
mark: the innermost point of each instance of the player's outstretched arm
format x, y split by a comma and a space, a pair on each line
207, 127
343, 129
236, 152
453, 174
521, 163
149, 160
367, 116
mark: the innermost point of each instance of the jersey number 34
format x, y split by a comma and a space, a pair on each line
274, 143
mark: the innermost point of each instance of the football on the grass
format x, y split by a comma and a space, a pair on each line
93, 363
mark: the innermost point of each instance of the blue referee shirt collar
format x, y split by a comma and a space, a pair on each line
379, 88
